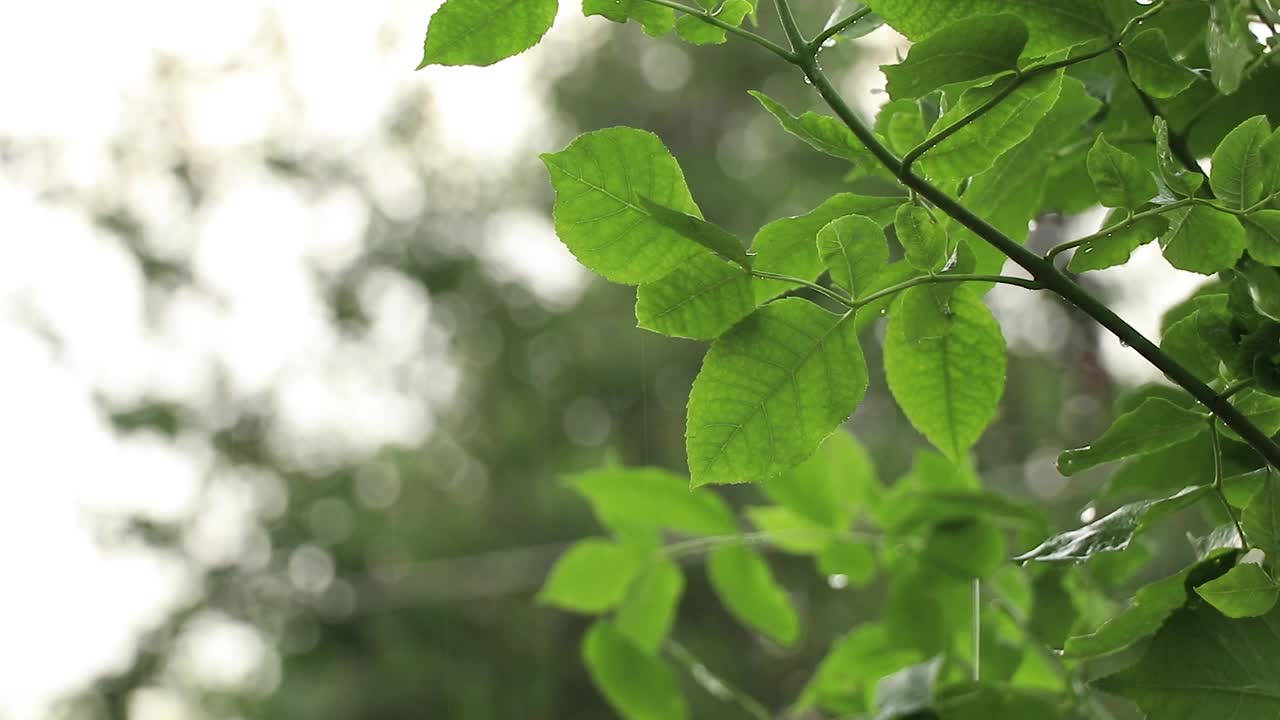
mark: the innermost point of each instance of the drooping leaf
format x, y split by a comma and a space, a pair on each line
655, 19
745, 585
482, 32
1244, 591
708, 235
1262, 236
1187, 675
1148, 610
592, 576
771, 390
922, 239
646, 614
627, 498
854, 250
1053, 610
1238, 172
636, 684
1153, 425
787, 245
1180, 179
1120, 180
699, 300
1153, 67
976, 147
950, 55
1112, 532
831, 488
1261, 520
1051, 24
599, 180
1201, 239
949, 386
822, 132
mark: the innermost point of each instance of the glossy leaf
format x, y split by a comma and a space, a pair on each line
482, 32
948, 386
592, 576
1230, 44
950, 55
1154, 425
599, 180
1115, 531
1244, 591
745, 585
854, 250
636, 684
1120, 180
771, 390
649, 498
1238, 172
1153, 67
922, 239
699, 300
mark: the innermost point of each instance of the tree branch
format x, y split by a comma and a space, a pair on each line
837, 28
707, 17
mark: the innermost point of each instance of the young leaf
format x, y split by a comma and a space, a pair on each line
482, 32
636, 684
978, 145
1262, 236
1113, 532
787, 245
1114, 248
699, 300
646, 614
1148, 610
1152, 66
1261, 520
1178, 178
821, 132
655, 19
1201, 662
1202, 240
592, 576
743, 582
649, 498
698, 32
854, 250
1245, 591
831, 488
923, 240
950, 55
1154, 425
599, 180
770, 390
1052, 25
948, 386
1238, 173
1118, 177
708, 235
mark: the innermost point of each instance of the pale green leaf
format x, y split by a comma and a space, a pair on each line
655, 19
922, 239
1052, 24
699, 300
745, 585
1238, 173
482, 32
592, 576
649, 498
770, 390
831, 488
1202, 240
901, 124
1245, 591
1152, 66
1114, 531
822, 132
854, 250
855, 560
646, 614
949, 387
636, 684
707, 234
951, 55
1120, 180
1262, 236
1154, 425
789, 531
696, 31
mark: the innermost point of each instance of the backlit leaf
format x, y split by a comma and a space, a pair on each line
626, 498
950, 55
636, 684
646, 614
1238, 172
1153, 425
698, 32
482, 32
855, 250
592, 576
1112, 532
708, 235
1120, 180
699, 300
1244, 591
923, 240
745, 585
1052, 24
655, 19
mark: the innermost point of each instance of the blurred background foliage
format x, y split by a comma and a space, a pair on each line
391, 574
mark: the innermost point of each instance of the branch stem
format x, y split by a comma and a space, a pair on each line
945, 278
828, 292
837, 28
706, 17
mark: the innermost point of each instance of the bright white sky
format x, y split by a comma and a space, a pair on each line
78, 77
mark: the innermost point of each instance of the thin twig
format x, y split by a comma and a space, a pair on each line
1217, 482
714, 685
836, 29
828, 292
945, 278
706, 17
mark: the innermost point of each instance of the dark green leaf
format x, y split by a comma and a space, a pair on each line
1114, 247
708, 235
1154, 425
1262, 236
971, 549
854, 250
744, 583
636, 684
1177, 177
592, 576
1164, 471
1261, 520
1182, 342
951, 55
1152, 67
482, 32
1244, 591
1113, 532
1230, 44
1238, 172
1052, 24
649, 498
1120, 180
988, 701
699, 300
924, 241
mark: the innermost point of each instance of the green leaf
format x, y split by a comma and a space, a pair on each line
1261, 520
1148, 610
1113, 532
698, 32
923, 240
1262, 236
950, 55
1052, 25
699, 300
831, 488
978, 145
847, 674
1230, 44
771, 390
592, 576
1201, 663
646, 615
949, 387
1271, 161
854, 250
599, 180
787, 246
1187, 463
649, 498
970, 549
482, 32
1154, 425
1152, 66
1238, 173
708, 235
1245, 591
789, 531
1120, 180
855, 560
908, 691
656, 19
821, 132
1114, 248
1182, 342
984, 702
743, 582
636, 684
1177, 177
901, 124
